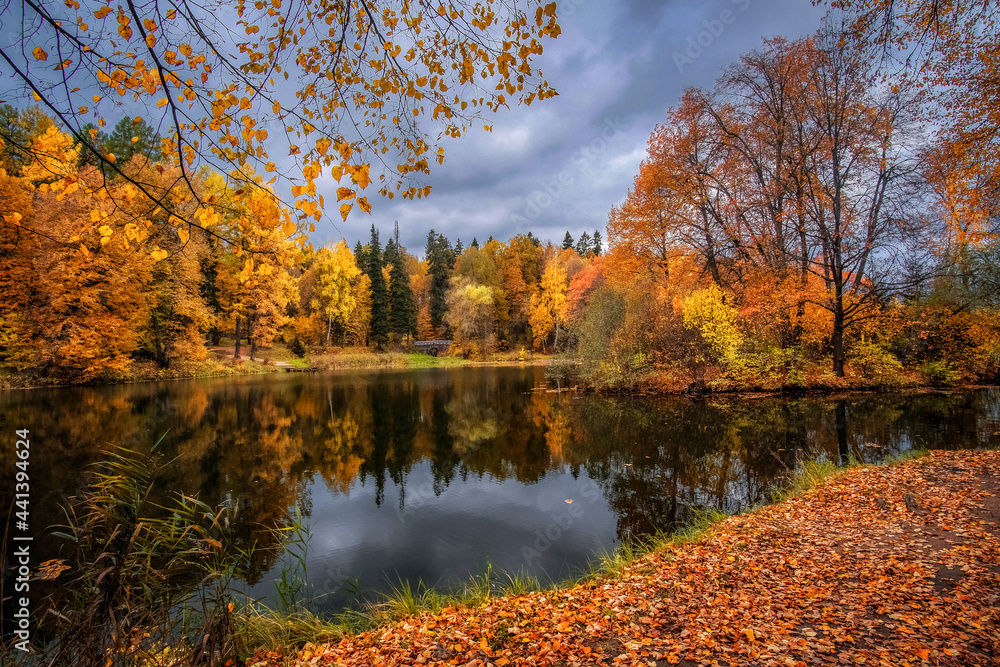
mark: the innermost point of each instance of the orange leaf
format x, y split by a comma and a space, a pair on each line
345, 210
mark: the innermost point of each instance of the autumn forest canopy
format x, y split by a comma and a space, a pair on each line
825, 214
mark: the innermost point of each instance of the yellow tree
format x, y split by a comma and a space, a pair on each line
88, 306
548, 305
335, 271
254, 284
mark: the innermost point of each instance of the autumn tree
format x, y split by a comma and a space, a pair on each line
548, 305
86, 305
332, 294
253, 280
214, 82
470, 313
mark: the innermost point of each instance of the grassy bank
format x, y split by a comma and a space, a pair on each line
894, 564
276, 359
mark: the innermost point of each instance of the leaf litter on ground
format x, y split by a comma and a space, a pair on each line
895, 566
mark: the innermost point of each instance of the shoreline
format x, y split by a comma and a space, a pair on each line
223, 366
891, 564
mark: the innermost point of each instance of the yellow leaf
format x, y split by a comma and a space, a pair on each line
171, 14
102, 12
158, 254
39, 53
184, 234
750, 635
105, 230
364, 205
270, 166
83, 249
345, 210
345, 193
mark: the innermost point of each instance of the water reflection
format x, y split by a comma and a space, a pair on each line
434, 474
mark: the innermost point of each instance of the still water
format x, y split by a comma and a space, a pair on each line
439, 474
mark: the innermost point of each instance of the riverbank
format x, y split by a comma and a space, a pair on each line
896, 565
220, 363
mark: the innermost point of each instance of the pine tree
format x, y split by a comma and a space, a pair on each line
378, 328
475, 243
595, 243
440, 260
583, 245
459, 248
361, 256
567, 241
132, 138
402, 305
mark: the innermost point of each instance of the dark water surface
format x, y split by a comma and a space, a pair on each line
435, 475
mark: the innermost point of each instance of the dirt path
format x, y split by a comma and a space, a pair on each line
880, 566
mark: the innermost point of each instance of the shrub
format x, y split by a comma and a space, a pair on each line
940, 373
874, 363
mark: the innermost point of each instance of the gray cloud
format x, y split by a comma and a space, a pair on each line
563, 163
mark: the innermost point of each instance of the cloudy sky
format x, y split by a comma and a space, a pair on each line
560, 165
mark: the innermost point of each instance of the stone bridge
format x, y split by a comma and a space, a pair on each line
432, 347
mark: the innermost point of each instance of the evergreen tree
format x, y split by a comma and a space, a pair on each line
595, 243
440, 260
583, 245
534, 240
567, 241
132, 138
378, 328
459, 248
361, 256
475, 243
389, 253
402, 305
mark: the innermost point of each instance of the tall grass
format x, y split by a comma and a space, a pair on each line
146, 584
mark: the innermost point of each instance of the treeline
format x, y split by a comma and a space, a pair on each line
799, 226
97, 274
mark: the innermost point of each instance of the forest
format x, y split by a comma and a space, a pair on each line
806, 223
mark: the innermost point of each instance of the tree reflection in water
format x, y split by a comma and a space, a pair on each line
266, 443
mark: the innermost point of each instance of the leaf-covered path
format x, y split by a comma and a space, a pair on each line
886, 566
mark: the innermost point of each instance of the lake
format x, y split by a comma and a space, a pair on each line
436, 475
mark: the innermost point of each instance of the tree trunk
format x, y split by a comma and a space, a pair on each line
236, 354
838, 338
250, 337
840, 419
